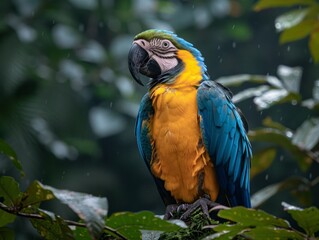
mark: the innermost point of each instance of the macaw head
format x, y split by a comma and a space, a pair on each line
155, 54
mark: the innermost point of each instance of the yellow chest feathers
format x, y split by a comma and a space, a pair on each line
179, 156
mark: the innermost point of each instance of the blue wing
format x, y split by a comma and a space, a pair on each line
143, 138
226, 141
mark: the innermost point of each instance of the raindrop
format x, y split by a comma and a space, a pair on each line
234, 44
278, 26
281, 158
258, 46
288, 48
289, 134
101, 24
310, 175
294, 102
281, 118
220, 60
261, 113
266, 177
111, 104
218, 47
88, 174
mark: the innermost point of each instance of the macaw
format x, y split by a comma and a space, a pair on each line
189, 132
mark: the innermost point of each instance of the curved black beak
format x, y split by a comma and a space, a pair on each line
136, 57
139, 62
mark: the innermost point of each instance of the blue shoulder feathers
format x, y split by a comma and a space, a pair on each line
226, 141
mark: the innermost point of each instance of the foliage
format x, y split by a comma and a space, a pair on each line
66, 98
234, 222
298, 23
91, 211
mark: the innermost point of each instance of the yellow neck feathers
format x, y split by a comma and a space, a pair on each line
189, 77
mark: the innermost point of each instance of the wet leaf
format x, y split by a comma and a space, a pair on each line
131, 224
35, 194
251, 217
291, 77
261, 196
52, 229
263, 4
298, 31
237, 80
226, 231
270, 233
314, 45
290, 19
307, 219
250, 92
282, 139
275, 96
6, 150
6, 233
307, 135
92, 210
262, 160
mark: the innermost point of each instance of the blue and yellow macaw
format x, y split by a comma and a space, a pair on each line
189, 132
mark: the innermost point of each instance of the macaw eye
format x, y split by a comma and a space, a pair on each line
165, 44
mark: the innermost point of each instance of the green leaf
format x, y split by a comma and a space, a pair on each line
251, 217
6, 149
307, 135
81, 233
263, 4
6, 218
35, 194
290, 19
314, 45
131, 224
92, 210
52, 229
6, 234
262, 160
307, 219
226, 231
298, 31
284, 140
9, 190
268, 122
270, 233
264, 194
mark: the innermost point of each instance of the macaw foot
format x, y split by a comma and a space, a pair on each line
204, 203
188, 208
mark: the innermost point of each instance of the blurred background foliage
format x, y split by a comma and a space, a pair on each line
68, 104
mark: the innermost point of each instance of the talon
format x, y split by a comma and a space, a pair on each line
170, 209
203, 203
